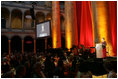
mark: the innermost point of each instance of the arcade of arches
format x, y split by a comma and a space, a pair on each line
16, 19
28, 44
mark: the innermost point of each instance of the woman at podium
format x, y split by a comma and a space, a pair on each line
104, 47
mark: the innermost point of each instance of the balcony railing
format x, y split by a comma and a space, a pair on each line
17, 30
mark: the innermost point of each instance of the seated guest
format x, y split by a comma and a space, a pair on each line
5, 66
49, 66
84, 71
59, 70
20, 71
73, 68
8, 74
109, 68
37, 72
28, 69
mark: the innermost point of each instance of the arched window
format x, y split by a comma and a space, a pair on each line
16, 19
28, 44
16, 44
49, 16
4, 17
40, 17
27, 20
4, 44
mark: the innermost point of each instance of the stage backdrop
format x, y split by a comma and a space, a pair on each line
97, 19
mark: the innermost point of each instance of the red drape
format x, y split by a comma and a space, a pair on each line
113, 24
78, 5
84, 19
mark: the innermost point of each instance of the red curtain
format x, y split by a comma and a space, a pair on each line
113, 24
84, 19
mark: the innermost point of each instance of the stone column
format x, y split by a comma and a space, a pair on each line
56, 28
35, 46
74, 22
22, 20
46, 44
103, 25
10, 19
9, 41
71, 32
23, 46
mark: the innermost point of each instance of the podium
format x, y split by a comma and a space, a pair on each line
99, 50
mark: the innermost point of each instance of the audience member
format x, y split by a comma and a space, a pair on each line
21, 71
109, 68
37, 71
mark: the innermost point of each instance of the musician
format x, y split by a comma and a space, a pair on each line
104, 47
